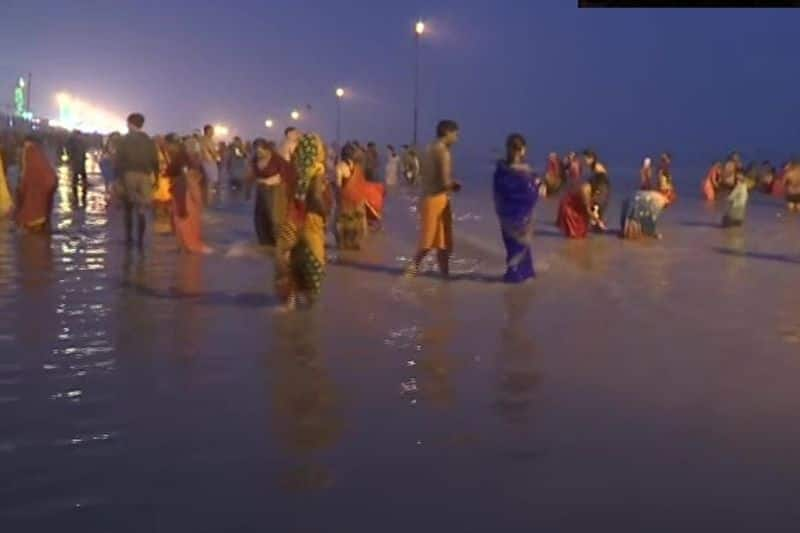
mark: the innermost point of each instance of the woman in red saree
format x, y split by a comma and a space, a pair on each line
351, 216
37, 187
711, 181
575, 212
185, 171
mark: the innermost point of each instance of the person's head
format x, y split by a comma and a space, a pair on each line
515, 148
552, 156
208, 130
348, 153
371, 146
391, 149
447, 132
666, 157
590, 157
135, 121
405, 147
291, 134
647, 163
261, 147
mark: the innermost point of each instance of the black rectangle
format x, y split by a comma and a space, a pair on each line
689, 3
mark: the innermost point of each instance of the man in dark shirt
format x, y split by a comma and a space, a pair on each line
137, 165
76, 151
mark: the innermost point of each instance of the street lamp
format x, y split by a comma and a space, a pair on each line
339, 96
419, 29
268, 123
295, 114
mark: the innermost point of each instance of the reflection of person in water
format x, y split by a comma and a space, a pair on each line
306, 403
518, 378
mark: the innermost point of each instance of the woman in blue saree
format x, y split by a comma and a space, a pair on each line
516, 190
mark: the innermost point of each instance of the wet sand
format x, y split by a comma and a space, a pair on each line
631, 387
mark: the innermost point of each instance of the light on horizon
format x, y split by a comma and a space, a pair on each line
295, 114
340, 93
420, 27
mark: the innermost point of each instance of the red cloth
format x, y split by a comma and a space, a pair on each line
572, 216
37, 187
710, 182
188, 221
779, 186
357, 190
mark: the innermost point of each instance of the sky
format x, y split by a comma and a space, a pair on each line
697, 82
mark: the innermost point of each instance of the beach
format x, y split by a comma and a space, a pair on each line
633, 386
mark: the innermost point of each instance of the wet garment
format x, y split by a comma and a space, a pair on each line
6, 202
573, 217
515, 196
300, 250
437, 223
36, 191
271, 199
639, 215
351, 218
601, 191
736, 208
187, 211
710, 183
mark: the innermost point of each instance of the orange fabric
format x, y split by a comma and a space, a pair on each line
188, 228
37, 187
437, 223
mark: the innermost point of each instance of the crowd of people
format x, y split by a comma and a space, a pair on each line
304, 187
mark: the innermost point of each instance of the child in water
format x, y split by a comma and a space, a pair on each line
737, 204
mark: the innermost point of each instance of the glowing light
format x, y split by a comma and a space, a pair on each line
268, 123
340, 93
22, 82
74, 113
295, 114
221, 130
420, 28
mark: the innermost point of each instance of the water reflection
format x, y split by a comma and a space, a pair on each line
306, 402
435, 362
516, 359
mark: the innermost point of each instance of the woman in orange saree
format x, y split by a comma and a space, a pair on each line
37, 187
185, 171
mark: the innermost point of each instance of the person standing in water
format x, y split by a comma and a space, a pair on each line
210, 160
791, 181
600, 187
272, 173
435, 210
392, 167
137, 166
736, 208
516, 191
76, 151
646, 175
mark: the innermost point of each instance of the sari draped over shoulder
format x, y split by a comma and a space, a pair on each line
351, 221
186, 176
37, 187
300, 250
515, 196
6, 202
639, 215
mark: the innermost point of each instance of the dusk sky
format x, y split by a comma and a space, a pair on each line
624, 81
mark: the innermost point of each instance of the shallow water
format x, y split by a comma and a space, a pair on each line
633, 386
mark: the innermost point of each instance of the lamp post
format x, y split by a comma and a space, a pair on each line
339, 96
268, 123
295, 114
419, 29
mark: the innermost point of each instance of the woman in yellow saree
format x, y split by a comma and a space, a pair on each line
300, 249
